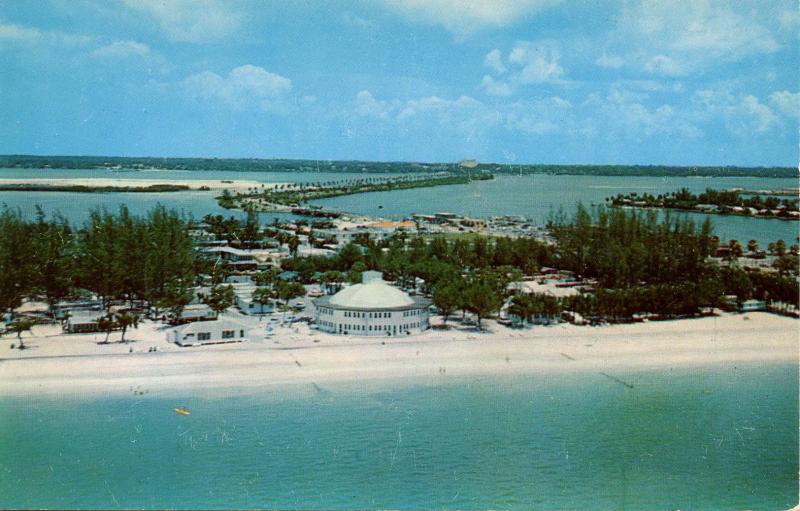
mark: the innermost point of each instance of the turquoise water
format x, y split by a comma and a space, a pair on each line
533, 196
710, 439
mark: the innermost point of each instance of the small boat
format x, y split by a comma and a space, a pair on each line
183, 411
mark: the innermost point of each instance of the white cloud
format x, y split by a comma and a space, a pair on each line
444, 107
786, 102
494, 87
790, 21
742, 114
12, 34
764, 116
625, 114
661, 64
696, 34
121, 49
494, 61
190, 20
610, 61
359, 22
18, 33
538, 62
367, 105
539, 117
462, 17
528, 63
245, 87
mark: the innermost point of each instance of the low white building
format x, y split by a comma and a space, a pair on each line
221, 331
372, 308
83, 321
197, 312
243, 299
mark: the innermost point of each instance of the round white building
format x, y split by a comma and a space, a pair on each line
372, 308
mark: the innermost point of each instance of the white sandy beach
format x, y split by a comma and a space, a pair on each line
194, 184
77, 364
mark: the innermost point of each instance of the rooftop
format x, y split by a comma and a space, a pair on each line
373, 294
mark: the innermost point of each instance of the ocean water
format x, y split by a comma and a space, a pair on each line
533, 196
713, 439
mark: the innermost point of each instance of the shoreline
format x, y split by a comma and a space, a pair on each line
193, 185
295, 357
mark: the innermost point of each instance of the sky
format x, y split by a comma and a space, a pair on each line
510, 81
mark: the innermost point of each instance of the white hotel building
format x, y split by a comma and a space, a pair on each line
372, 308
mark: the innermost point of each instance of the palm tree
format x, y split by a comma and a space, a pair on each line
106, 324
736, 248
20, 325
125, 320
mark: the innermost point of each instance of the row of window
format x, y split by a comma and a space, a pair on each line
206, 336
370, 328
415, 312
353, 314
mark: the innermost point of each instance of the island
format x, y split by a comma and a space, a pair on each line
722, 202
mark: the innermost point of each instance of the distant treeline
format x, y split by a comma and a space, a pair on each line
286, 165
92, 189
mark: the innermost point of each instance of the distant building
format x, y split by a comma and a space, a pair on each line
243, 299
63, 308
372, 308
80, 322
222, 331
753, 305
238, 258
196, 312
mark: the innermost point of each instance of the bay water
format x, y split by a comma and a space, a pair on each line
532, 196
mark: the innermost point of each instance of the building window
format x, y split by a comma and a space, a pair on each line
204, 336
228, 334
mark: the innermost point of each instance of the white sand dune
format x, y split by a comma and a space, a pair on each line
194, 184
77, 364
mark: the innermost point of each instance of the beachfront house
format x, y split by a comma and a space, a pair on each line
80, 322
243, 299
221, 331
196, 312
66, 307
372, 308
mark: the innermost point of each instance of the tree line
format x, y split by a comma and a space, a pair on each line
117, 256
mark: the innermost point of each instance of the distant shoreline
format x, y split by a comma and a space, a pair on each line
126, 164
94, 189
123, 185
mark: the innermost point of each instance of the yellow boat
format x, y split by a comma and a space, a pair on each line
183, 411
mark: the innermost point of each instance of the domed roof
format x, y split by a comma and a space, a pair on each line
375, 294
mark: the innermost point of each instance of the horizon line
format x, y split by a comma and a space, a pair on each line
417, 162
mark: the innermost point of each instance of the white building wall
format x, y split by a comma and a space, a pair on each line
376, 323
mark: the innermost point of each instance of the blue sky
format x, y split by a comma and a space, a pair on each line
513, 81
